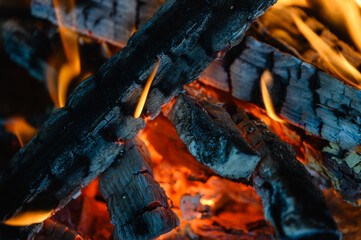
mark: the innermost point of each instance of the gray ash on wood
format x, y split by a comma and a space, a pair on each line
80, 141
138, 206
292, 202
110, 20
303, 94
212, 137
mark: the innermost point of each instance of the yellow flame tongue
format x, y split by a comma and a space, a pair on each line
28, 217
143, 97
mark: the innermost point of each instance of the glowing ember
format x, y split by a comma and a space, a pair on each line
143, 96
28, 217
266, 80
72, 68
21, 129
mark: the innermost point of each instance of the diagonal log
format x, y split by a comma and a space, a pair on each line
82, 139
138, 206
292, 202
303, 94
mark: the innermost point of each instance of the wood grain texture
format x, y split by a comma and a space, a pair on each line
302, 93
138, 206
81, 140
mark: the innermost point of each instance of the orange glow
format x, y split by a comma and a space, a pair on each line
21, 129
337, 62
302, 3
266, 80
208, 202
28, 217
144, 95
72, 67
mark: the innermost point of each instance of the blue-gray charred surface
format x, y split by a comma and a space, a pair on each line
305, 95
81, 140
110, 20
138, 206
293, 204
212, 137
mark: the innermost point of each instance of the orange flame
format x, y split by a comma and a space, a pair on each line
21, 129
144, 95
28, 217
337, 62
266, 80
72, 68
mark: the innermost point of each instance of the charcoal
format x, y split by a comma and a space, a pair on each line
138, 206
84, 138
308, 97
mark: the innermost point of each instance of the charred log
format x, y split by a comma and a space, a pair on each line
82, 140
303, 94
111, 21
54, 230
33, 44
292, 202
212, 137
138, 206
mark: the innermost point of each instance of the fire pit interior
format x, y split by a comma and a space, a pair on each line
180, 119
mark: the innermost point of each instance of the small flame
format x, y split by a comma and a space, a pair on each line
335, 60
21, 129
144, 95
266, 80
72, 68
28, 217
208, 202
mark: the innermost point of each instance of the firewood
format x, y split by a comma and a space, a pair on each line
18, 233
212, 137
303, 94
111, 21
138, 206
54, 230
36, 45
293, 204
81, 140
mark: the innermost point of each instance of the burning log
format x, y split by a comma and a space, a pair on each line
138, 206
212, 137
303, 94
54, 230
294, 205
111, 21
81, 140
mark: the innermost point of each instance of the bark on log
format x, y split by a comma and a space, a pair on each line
81, 140
110, 20
303, 94
292, 202
212, 137
138, 206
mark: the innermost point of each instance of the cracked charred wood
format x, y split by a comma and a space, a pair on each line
36, 45
212, 137
54, 230
81, 140
137, 204
303, 94
111, 21
292, 202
